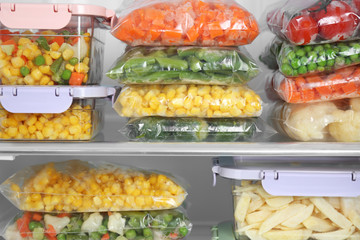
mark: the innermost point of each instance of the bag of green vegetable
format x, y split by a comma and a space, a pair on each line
311, 59
155, 225
184, 65
152, 129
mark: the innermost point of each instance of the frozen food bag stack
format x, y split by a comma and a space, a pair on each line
84, 200
318, 61
185, 79
50, 54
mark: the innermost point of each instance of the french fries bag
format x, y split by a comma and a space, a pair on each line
340, 84
313, 21
321, 121
184, 65
78, 186
186, 22
292, 202
188, 101
162, 224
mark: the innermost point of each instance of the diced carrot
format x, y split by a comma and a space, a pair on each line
105, 237
293, 97
23, 225
349, 88
346, 72
76, 79
61, 215
37, 217
152, 14
58, 39
137, 33
215, 29
24, 58
50, 231
171, 35
321, 86
307, 95
110, 213
74, 40
192, 34
3, 35
300, 82
337, 82
155, 34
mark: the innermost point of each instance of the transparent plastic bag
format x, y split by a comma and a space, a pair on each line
343, 83
315, 21
161, 225
259, 215
183, 65
78, 186
308, 60
188, 101
153, 129
268, 56
322, 121
186, 22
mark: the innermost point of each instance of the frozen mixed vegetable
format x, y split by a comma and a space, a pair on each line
343, 83
259, 215
323, 121
186, 22
155, 225
188, 101
268, 56
183, 65
296, 61
44, 58
190, 129
79, 122
77, 186
315, 21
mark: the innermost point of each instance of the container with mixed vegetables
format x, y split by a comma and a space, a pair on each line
155, 225
44, 58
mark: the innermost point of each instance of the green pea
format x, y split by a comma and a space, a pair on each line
95, 236
183, 231
354, 57
330, 53
291, 55
73, 61
295, 73
147, 232
113, 236
102, 230
24, 71
348, 61
330, 62
318, 48
66, 74
300, 53
320, 68
327, 46
321, 61
295, 63
61, 236
328, 68
340, 44
32, 225
304, 61
130, 234
287, 70
168, 218
312, 67
308, 48
339, 61
302, 70
345, 51
312, 56
39, 60
284, 61
356, 47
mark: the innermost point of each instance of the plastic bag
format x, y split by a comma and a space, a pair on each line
78, 186
271, 217
268, 56
188, 101
186, 22
307, 60
154, 129
183, 65
315, 21
343, 83
323, 121
157, 225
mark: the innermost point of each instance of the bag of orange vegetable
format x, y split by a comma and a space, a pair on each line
340, 84
186, 22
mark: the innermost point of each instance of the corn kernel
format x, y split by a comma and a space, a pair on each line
81, 68
67, 54
48, 59
86, 60
17, 62
70, 67
36, 74
55, 55
54, 46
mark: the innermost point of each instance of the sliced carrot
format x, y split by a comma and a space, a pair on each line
37, 217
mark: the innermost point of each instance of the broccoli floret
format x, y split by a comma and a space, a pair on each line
149, 129
190, 130
231, 130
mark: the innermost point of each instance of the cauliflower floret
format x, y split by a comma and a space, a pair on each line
12, 233
117, 224
93, 223
355, 104
306, 122
347, 129
58, 223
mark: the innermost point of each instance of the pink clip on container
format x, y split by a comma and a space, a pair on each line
52, 44
62, 113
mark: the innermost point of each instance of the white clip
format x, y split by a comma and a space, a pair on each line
12, 7
57, 92
276, 175
71, 92
14, 92
56, 8
353, 176
70, 8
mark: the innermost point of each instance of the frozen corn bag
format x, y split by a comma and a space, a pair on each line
321, 121
188, 101
157, 225
315, 21
343, 83
308, 60
186, 22
154, 129
77, 186
183, 65
259, 215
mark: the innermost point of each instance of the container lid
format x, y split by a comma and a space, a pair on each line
295, 179
46, 99
48, 16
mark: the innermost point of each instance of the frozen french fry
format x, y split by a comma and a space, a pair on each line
258, 216
299, 217
242, 207
318, 224
287, 235
278, 202
355, 218
335, 235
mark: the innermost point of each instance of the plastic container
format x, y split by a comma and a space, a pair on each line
223, 231
322, 121
186, 22
79, 186
157, 225
340, 84
52, 113
188, 101
52, 44
184, 65
291, 201
154, 129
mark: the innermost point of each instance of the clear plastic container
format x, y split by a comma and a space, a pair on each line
157, 225
52, 114
52, 44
